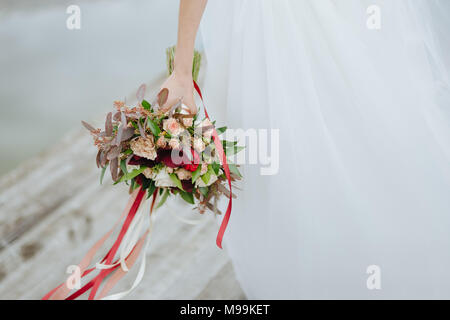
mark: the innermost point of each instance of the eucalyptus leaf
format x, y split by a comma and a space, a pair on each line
162, 97
233, 168
88, 126
127, 134
153, 127
102, 175
204, 191
113, 166
113, 152
108, 125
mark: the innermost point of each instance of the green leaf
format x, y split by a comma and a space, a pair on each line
151, 189
187, 196
228, 144
123, 166
102, 175
175, 180
133, 184
204, 191
196, 173
127, 152
134, 125
233, 150
216, 167
221, 130
146, 105
132, 174
233, 168
153, 127
207, 175
163, 198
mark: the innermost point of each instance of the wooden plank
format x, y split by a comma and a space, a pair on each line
52, 209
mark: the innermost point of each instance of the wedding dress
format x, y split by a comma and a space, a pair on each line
364, 144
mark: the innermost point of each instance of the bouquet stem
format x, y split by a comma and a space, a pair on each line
170, 54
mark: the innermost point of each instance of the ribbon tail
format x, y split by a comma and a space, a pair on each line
226, 169
115, 247
61, 291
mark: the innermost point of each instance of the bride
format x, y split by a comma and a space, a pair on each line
359, 90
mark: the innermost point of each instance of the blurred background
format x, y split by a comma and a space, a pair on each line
52, 206
52, 77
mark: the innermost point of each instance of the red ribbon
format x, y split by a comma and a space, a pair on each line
223, 158
95, 282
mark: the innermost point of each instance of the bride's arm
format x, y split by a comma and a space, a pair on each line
180, 82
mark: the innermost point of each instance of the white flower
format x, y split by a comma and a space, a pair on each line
183, 174
149, 173
199, 145
187, 122
162, 179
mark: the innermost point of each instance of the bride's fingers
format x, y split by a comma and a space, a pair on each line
192, 108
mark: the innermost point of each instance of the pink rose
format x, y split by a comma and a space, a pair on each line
171, 125
199, 145
187, 122
161, 142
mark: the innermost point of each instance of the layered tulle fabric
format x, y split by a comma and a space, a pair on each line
363, 114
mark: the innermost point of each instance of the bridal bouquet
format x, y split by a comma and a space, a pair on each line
171, 152
159, 154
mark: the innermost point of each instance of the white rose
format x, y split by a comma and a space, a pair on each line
199, 145
163, 179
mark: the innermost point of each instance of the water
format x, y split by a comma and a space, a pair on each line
51, 77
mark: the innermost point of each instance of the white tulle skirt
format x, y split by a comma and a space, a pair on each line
363, 114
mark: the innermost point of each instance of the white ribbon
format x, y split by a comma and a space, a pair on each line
141, 271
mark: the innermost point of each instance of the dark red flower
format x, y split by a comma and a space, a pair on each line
140, 161
188, 186
179, 159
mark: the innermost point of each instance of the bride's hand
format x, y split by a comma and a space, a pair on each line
179, 86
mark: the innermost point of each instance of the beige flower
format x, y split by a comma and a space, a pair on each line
144, 147
187, 122
183, 174
174, 143
199, 145
173, 126
204, 169
149, 173
161, 142
208, 133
